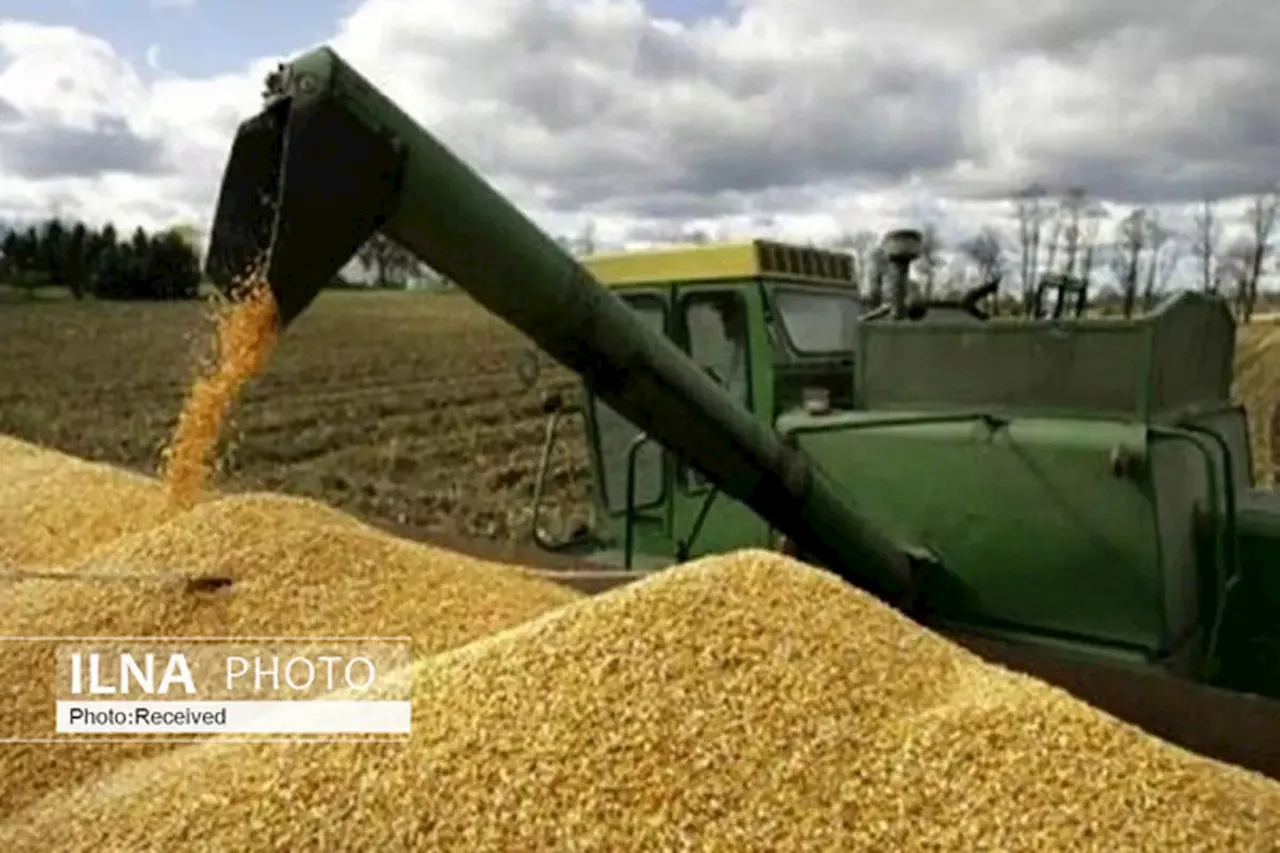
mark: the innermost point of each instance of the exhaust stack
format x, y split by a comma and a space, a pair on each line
901, 249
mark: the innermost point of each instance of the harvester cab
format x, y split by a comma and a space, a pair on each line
1069, 496
777, 326
773, 325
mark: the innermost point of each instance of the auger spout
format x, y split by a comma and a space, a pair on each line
330, 160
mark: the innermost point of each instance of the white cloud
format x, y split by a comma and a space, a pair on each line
802, 118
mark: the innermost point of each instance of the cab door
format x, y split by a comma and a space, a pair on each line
612, 439
721, 328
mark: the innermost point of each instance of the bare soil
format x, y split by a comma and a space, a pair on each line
403, 408
399, 407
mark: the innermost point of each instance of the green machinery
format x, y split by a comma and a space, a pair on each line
1070, 497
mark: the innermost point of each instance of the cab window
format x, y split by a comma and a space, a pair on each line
818, 322
713, 327
715, 331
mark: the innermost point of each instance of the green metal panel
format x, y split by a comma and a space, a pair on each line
1030, 518
1259, 527
1176, 357
1231, 424
1192, 362
1250, 646
1184, 475
1235, 556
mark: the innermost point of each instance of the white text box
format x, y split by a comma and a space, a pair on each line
307, 717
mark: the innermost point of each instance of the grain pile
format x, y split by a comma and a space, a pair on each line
298, 569
14, 450
56, 509
245, 334
738, 704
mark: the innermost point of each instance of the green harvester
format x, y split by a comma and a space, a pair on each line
1067, 496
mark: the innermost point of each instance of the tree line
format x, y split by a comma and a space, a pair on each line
391, 266
1070, 236
1121, 262
97, 262
1122, 259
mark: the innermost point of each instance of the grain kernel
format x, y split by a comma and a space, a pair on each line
297, 568
740, 703
56, 509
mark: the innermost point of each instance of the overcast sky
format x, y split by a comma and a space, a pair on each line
800, 118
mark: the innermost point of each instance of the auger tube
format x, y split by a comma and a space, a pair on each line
330, 160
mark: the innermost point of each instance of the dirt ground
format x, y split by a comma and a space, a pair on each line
400, 407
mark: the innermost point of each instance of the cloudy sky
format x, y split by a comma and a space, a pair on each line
801, 118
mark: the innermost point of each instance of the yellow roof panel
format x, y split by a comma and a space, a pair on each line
721, 262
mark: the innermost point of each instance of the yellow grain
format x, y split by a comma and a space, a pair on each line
13, 450
56, 509
246, 331
299, 569
744, 703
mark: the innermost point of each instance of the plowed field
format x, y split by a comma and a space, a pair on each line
400, 407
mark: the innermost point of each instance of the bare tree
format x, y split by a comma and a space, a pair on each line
1131, 239
1261, 221
585, 242
1090, 227
390, 263
877, 266
930, 260
861, 245
985, 251
1167, 263
1074, 207
1029, 210
1206, 244
1053, 239
1163, 251
1231, 271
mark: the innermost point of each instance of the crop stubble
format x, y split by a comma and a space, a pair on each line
398, 407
